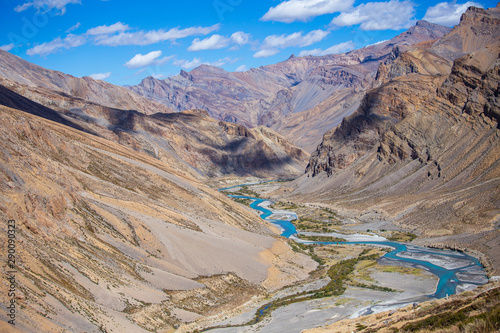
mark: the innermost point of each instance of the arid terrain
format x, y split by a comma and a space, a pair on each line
301, 97
422, 149
109, 237
121, 226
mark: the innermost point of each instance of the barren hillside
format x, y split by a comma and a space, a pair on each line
422, 149
108, 238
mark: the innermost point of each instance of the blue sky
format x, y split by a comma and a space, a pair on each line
123, 41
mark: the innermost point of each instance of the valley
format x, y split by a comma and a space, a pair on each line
372, 279
354, 191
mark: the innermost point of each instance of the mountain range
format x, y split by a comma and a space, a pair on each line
422, 148
119, 230
301, 97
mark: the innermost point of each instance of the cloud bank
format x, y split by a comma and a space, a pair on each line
303, 10
391, 15
448, 13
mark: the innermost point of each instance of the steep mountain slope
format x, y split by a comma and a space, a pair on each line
270, 95
111, 239
423, 148
30, 75
192, 141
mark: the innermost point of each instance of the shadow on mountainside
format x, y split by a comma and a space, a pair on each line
13, 100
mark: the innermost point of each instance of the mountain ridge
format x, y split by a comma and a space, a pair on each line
193, 141
30, 75
277, 95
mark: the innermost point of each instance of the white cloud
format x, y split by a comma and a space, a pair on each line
189, 64
186, 64
159, 76
211, 43
7, 47
242, 68
221, 62
218, 42
302, 10
393, 15
73, 28
116, 35
273, 43
108, 29
46, 5
448, 13
295, 39
153, 36
100, 76
57, 44
339, 48
152, 58
240, 38
265, 53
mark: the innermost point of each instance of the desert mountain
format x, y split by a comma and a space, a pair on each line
422, 150
301, 97
30, 75
113, 239
114, 230
190, 140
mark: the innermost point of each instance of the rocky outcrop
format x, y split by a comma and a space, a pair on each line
409, 80
477, 29
361, 132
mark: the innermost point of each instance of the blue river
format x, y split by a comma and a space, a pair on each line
452, 268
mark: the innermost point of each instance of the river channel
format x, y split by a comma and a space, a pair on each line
456, 271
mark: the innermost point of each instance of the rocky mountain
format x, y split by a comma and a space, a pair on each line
422, 151
114, 229
30, 75
299, 97
111, 239
190, 140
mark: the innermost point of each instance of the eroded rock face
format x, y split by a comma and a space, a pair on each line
471, 86
361, 132
423, 145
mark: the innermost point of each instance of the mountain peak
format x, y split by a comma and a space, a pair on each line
432, 30
424, 23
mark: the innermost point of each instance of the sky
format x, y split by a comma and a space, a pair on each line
124, 41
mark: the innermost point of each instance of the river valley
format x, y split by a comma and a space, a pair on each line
423, 274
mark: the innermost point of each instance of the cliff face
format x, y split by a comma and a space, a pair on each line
422, 149
299, 97
408, 81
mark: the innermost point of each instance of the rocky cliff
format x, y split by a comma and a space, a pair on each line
422, 149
